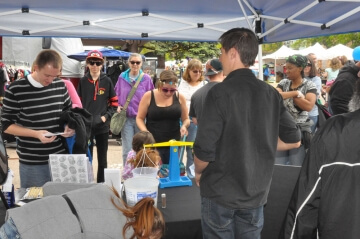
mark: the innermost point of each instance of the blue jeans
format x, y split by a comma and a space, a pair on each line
220, 222
315, 120
291, 157
9, 230
127, 133
192, 130
34, 175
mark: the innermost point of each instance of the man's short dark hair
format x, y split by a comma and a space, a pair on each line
244, 41
48, 56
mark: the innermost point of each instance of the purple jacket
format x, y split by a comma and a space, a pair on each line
123, 88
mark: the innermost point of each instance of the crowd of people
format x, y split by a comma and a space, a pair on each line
240, 126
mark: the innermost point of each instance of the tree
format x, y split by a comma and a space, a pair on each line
348, 39
175, 50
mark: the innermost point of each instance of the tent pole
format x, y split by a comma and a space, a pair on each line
261, 73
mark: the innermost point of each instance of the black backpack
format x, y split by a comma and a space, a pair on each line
115, 70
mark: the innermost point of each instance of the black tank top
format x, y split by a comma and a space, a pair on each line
164, 122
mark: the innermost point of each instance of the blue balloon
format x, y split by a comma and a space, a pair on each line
356, 53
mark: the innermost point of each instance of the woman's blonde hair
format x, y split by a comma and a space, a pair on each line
335, 63
144, 218
192, 65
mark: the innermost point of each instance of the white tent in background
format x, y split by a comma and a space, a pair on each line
282, 53
339, 50
317, 49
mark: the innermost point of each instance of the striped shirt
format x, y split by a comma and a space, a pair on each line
37, 109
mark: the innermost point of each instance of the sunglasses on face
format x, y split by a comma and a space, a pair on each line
196, 71
98, 63
166, 90
135, 62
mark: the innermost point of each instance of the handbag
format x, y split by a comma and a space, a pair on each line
118, 119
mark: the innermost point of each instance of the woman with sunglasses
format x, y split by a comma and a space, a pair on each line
193, 79
97, 95
299, 96
126, 81
310, 74
160, 111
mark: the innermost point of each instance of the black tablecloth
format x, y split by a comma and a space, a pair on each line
183, 212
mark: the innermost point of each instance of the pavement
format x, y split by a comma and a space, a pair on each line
114, 159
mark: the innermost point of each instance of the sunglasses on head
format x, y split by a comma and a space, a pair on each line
196, 71
166, 90
135, 62
98, 63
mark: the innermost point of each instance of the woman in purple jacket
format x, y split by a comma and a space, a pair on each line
126, 81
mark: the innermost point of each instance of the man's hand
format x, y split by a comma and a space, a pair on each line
199, 168
197, 179
40, 134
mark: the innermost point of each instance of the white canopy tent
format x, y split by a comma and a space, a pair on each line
200, 20
317, 49
339, 50
280, 54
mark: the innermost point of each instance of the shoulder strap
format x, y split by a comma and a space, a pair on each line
132, 92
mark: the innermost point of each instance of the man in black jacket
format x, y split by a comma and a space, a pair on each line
97, 95
325, 202
343, 87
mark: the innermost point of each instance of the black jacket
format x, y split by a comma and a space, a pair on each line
343, 88
80, 120
99, 98
326, 199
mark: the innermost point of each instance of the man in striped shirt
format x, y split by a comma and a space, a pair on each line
31, 110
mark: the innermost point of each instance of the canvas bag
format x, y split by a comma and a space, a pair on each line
118, 119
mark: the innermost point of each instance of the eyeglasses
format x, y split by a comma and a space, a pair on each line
98, 63
196, 71
166, 90
309, 64
135, 62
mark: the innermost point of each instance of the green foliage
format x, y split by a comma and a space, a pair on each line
271, 47
349, 39
175, 50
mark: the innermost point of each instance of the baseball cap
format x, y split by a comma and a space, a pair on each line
213, 67
95, 54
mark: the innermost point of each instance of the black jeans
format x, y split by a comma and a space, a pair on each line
102, 142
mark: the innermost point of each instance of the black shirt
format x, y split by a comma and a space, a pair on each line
237, 134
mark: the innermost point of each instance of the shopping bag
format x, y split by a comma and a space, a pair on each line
117, 122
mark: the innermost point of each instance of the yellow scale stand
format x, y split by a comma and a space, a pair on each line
174, 179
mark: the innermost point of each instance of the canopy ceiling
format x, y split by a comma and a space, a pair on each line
192, 20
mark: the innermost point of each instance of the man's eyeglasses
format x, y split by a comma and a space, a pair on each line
98, 63
135, 62
166, 90
196, 71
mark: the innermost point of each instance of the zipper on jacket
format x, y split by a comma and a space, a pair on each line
73, 210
